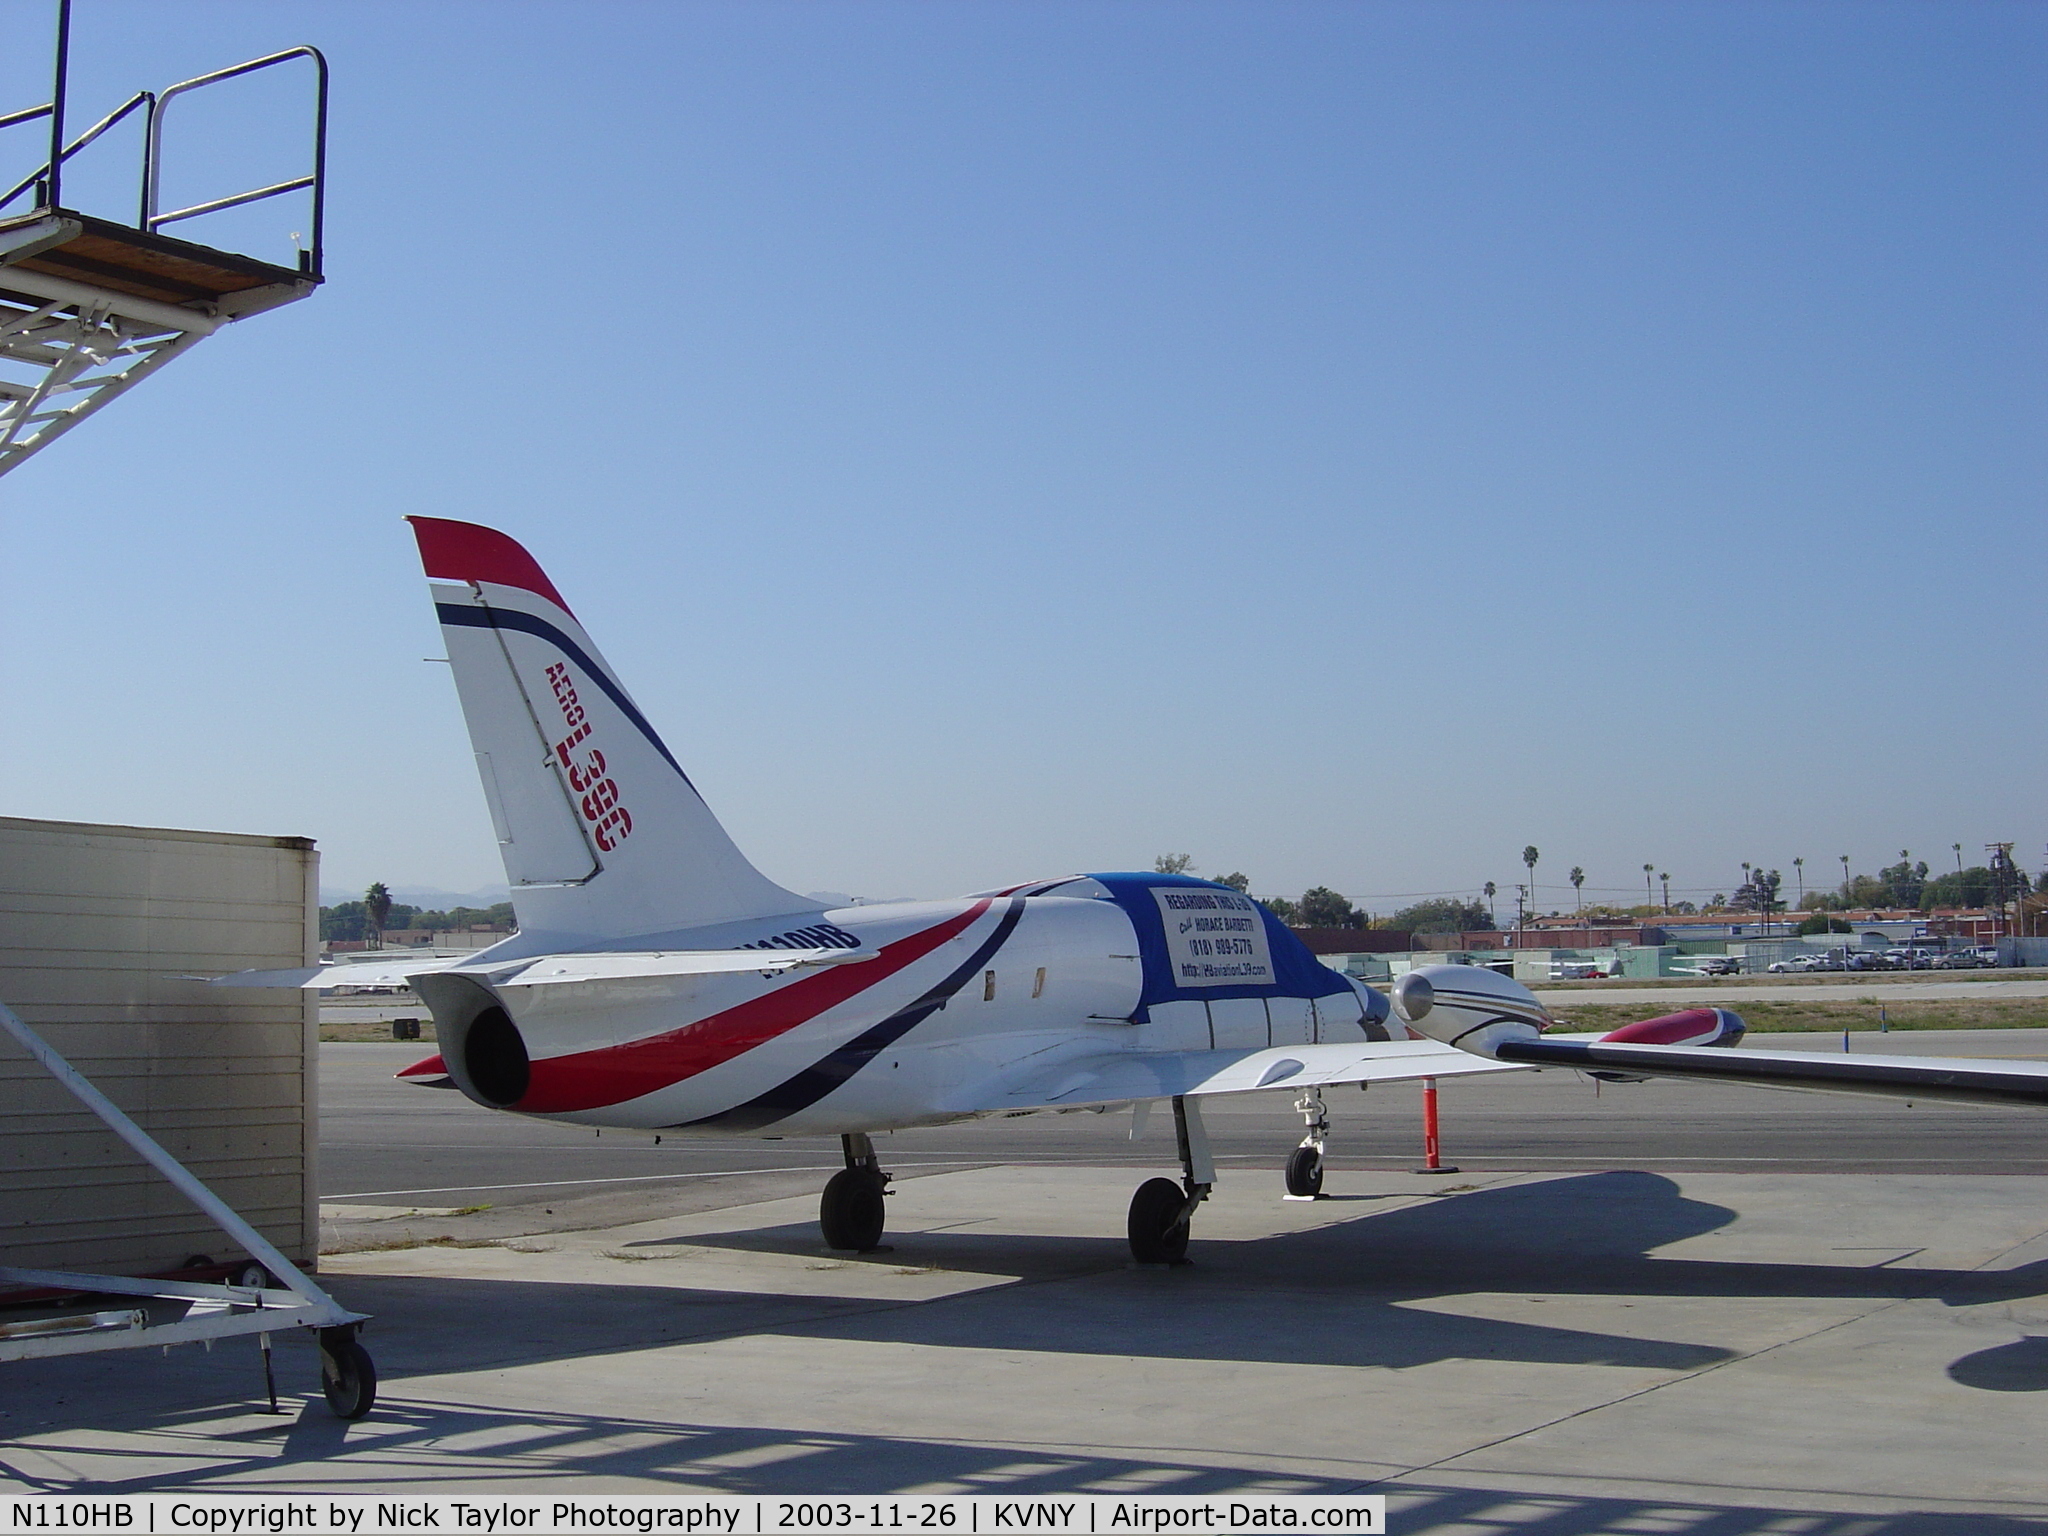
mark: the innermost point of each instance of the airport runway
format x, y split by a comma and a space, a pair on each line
1886, 988
388, 1143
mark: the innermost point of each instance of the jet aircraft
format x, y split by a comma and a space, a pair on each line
658, 981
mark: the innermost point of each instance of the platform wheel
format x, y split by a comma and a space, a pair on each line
347, 1376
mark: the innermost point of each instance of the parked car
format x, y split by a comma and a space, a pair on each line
1719, 965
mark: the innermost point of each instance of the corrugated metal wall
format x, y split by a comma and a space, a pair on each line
95, 921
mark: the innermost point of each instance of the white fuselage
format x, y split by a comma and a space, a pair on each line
960, 997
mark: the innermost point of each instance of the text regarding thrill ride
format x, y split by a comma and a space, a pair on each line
689, 1515
1214, 938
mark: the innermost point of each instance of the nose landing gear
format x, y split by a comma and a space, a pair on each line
851, 1214
1162, 1209
1305, 1166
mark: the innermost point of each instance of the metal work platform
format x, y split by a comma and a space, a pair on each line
271, 1295
89, 307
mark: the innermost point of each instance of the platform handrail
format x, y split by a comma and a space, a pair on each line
25, 115
152, 163
140, 98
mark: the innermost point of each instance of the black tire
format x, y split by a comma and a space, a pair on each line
1305, 1172
851, 1214
253, 1277
347, 1376
1157, 1233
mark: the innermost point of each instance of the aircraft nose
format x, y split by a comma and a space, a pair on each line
1414, 997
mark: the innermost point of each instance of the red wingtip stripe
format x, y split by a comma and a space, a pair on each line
453, 551
433, 1066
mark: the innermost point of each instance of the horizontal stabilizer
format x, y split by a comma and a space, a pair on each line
1961, 1081
325, 978
1114, 1078
560, 970
548, 970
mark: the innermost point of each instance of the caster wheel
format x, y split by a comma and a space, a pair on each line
253, 1277
851, 1214
347, 1377
1305, 1172
1158, 1235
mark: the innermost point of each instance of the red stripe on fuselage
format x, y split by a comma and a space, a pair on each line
615, 1073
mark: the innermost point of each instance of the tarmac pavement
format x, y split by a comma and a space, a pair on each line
1622, 1351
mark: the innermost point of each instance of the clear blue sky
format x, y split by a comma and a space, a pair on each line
1341, 442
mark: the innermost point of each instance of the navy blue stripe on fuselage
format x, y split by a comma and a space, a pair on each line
814, 1082
511, 618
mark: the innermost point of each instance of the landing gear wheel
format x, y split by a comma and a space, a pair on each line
1157, 1232
346, 1375
851, 1214
1305, 1172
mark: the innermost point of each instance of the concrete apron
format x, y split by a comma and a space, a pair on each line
1591, 1349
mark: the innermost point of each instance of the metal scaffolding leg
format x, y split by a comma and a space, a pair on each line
217, 1311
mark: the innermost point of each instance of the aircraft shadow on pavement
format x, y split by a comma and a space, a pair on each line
2021, 1366
1590, 1234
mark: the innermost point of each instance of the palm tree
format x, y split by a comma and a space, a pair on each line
1845, 876
1490, 888
1648, 899
1959, 856
1529, 858
1667, 893
376, 912
1578, 878
1799, 874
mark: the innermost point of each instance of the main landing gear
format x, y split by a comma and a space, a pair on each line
1161, 1209
851, 1214
1305, 1166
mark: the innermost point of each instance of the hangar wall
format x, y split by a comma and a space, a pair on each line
95, 921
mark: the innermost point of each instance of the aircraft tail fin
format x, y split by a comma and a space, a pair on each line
602, 833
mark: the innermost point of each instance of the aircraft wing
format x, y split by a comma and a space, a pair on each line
1116, 1077
1961, 1080
546, 970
